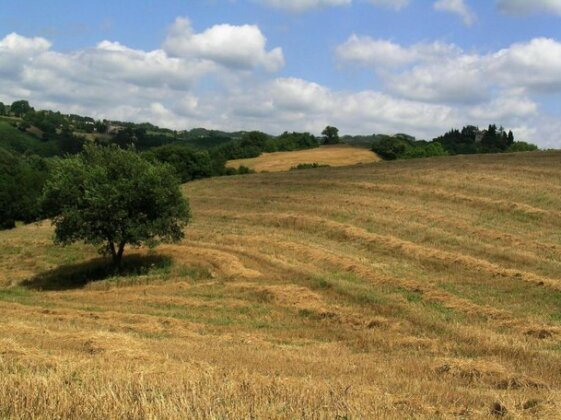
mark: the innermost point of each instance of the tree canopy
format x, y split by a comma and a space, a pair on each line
113, 197
21, 181
20, 108
330, 135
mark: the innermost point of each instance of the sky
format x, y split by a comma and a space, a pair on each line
419, 67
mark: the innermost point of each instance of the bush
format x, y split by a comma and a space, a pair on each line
244, 170
522, 146
308, 166
188, 164
405, 147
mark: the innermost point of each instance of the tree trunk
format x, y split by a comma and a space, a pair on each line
117, 253
120, 254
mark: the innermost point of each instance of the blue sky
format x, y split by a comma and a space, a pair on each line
366, 66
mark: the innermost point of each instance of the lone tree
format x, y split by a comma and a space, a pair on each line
330, 135
112, 197
20, 108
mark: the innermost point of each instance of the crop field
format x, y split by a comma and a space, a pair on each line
336, 155
428, 288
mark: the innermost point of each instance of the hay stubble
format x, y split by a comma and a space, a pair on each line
428, 289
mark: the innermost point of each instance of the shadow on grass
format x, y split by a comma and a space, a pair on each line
76, 276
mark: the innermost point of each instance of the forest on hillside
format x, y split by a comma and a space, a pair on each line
31, 139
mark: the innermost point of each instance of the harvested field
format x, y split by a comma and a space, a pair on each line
428, 288
337, 155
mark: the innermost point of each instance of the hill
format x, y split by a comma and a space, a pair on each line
427, 288
339, 155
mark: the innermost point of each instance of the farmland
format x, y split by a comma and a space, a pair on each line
337, 155
426, 288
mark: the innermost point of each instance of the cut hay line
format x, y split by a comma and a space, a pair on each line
326, 259
386, 212
343, 232
475, 201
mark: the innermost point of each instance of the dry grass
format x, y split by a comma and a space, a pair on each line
337, 155
425, 289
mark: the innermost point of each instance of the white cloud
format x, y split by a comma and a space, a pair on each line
502, 86
16, 51
392, 4
507, 106
444, 72
381, 53
240, 47
192, 82
458, 80
296, 104
302, 5
458, 7
534, 65
525, 7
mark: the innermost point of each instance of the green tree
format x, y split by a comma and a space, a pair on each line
21, 182
101, 127
189, 164
510, 138
2, 109
391, 148
20, 108
112, 197
330, 135
522, 146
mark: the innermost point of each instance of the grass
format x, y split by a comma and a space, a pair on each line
338, 155
12, 138
420, 289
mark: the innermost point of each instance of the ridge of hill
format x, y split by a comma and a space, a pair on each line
427, 288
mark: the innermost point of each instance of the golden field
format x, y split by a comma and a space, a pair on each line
336, 155
428, 288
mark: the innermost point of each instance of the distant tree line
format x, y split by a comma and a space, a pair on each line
469, 140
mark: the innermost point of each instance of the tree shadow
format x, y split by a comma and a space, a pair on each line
76, 276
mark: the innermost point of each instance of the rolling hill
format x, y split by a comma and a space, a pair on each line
338, 155
428, 288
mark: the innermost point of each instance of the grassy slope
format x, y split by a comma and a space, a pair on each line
340, 155
427, 288
13, 139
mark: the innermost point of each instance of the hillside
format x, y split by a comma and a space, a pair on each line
339, 155
14, 140
426, 288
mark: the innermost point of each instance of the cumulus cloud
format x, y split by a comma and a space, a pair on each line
392, 4
444, 72
193, 80
503, 85
525, 7
296, 104
117, 82
114, 81
452, 81
302, 5
16, 51
458, 7
534, 65
242, 47
381, 53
